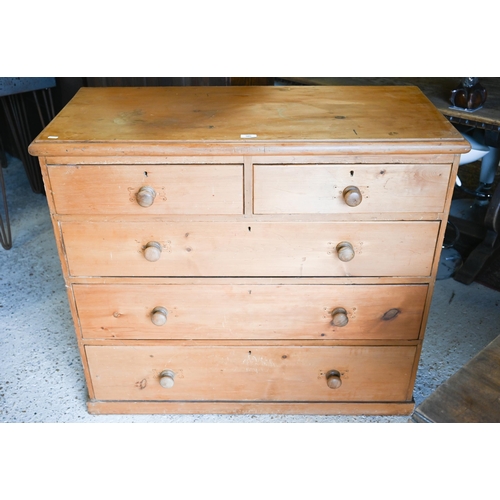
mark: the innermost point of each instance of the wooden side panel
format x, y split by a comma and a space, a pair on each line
318, 189
179, 189
250, 311
253, 249
251, 373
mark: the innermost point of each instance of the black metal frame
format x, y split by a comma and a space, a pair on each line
5, 233
13, 96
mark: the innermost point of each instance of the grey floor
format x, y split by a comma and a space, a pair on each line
41, 378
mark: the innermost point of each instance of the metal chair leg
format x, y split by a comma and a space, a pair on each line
5, 233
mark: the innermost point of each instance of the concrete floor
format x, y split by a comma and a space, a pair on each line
41, 378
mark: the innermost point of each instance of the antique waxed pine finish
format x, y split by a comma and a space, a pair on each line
249, 249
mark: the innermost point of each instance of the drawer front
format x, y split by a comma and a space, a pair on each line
253, 249
319, 189
162, 189
250, 373
313, 312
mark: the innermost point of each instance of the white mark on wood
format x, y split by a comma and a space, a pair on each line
254, 362
224, 326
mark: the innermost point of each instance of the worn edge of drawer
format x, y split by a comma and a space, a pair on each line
245, 342
236, 148
97, 407
237, 159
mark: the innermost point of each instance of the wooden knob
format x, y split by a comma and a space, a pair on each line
159, 316
352, 196
345, 251
339, 317
146, 196
152, 251
333, 380
167, 379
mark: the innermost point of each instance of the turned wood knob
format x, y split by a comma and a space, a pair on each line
152, 251
159, 316
339, 317
167, 379
146, 196
352, 196
345, 251
333, 380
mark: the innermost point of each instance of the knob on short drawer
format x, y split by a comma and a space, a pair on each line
339, 317
333, 380
167, 379
352, 196
345, 251
146, 196
152, 251
159, 316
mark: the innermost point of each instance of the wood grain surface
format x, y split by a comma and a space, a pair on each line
252, 249
260, 311
235, 117
290, 373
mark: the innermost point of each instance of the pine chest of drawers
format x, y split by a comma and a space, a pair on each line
249, 249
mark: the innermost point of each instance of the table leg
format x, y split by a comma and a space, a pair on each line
5, 233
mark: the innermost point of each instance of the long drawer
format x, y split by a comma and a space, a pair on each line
250, 249
251, 373
257, 311
147, 189
312, 189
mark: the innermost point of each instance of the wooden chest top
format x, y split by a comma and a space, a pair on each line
248, 120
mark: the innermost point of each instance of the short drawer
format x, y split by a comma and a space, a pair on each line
147, 189
257, 311
252, 249
324, 189
251, 373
